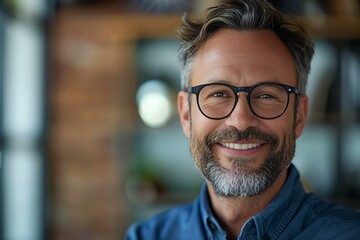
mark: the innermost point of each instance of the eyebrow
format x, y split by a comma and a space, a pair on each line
230, 83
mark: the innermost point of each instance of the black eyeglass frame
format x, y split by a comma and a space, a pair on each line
289, 89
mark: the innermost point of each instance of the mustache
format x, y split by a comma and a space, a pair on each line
232, 134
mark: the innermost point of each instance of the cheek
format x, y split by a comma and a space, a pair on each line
280, 127
200, 127
201, 124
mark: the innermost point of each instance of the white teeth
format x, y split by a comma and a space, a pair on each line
239, 146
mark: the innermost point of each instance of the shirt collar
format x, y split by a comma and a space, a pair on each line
269, 222
277, 215
210, 223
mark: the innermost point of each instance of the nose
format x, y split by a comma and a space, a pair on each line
242, 117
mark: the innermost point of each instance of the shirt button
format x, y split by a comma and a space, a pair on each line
266, 237
212, 226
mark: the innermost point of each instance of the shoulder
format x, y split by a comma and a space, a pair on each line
334, 211
162, 225
330, 219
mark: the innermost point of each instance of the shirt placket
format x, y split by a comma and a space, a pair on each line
215, 230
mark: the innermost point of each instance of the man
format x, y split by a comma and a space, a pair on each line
245, 68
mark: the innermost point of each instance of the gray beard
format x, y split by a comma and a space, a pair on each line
240, 180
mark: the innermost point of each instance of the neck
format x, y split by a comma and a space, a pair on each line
233, 212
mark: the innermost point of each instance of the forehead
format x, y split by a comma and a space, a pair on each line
246, 57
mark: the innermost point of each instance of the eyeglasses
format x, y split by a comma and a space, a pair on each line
266, 100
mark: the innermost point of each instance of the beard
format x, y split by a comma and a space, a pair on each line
241, 180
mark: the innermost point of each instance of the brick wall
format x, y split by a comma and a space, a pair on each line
92, 113
92, 117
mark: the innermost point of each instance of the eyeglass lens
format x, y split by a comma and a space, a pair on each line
266, 101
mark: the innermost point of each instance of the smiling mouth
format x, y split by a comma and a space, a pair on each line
239, 146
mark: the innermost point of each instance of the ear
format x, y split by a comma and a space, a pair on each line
184, 112
302, 111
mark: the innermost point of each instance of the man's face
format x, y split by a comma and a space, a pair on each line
242, 155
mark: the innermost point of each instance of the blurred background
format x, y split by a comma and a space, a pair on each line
89, 134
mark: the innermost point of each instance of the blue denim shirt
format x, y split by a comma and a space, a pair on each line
293, 214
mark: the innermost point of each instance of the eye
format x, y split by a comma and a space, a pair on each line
266, 96
269, 97
220, 94
217, 92
269, 93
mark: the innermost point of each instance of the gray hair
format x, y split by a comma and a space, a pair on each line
245, 15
